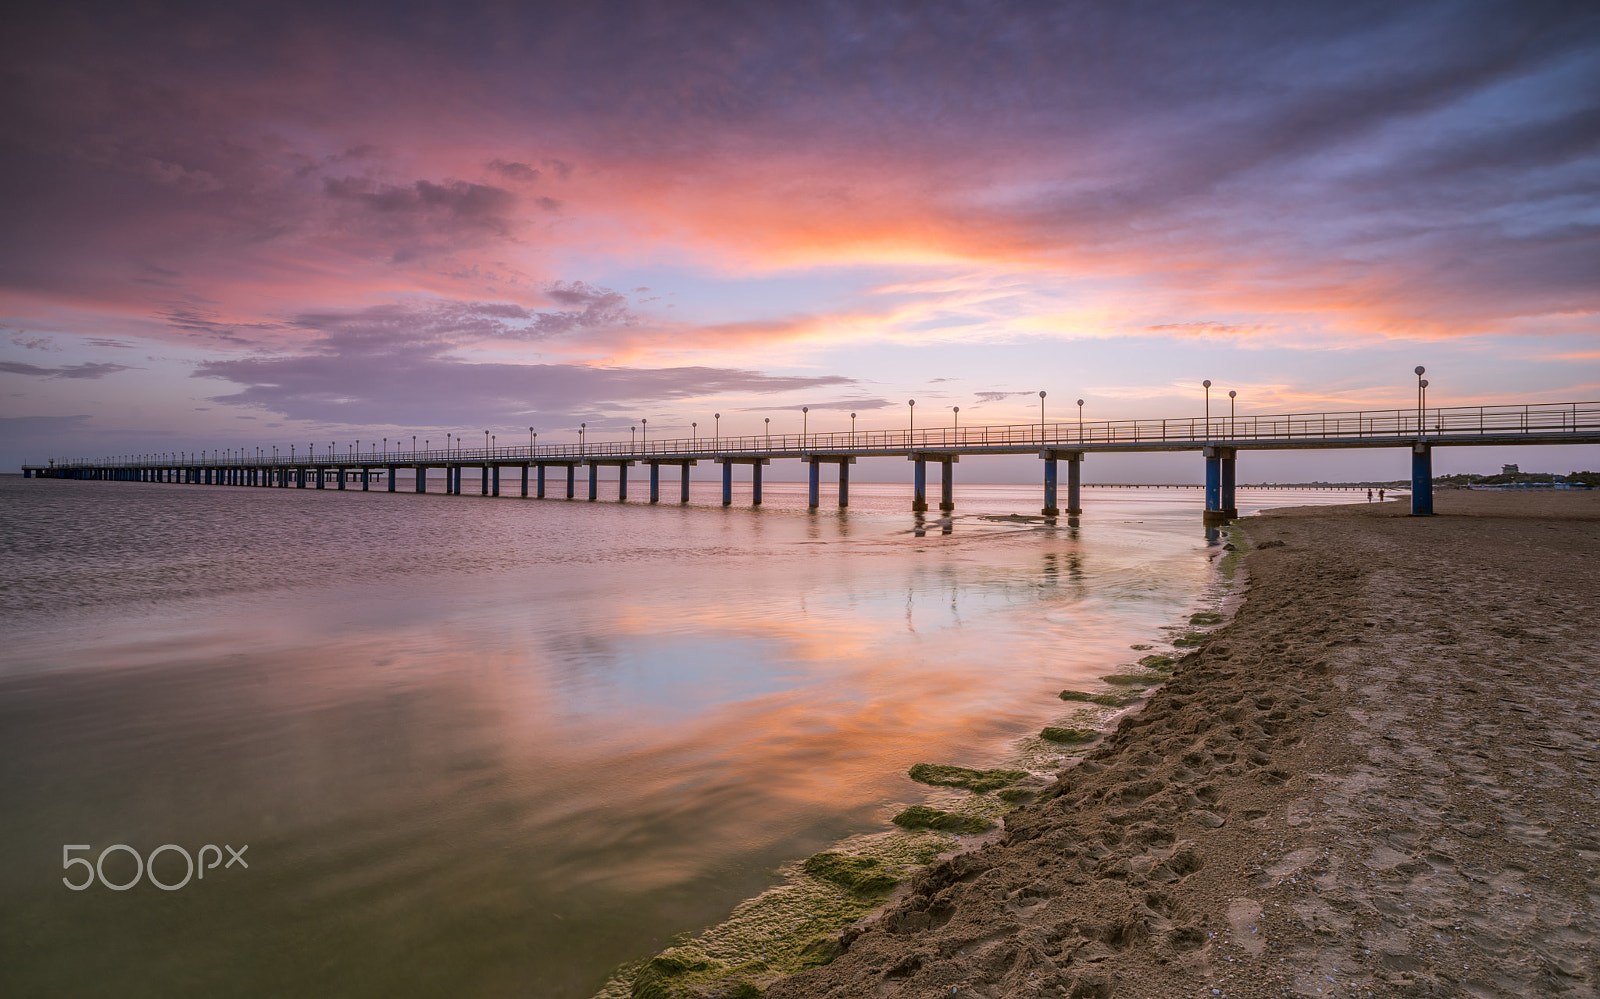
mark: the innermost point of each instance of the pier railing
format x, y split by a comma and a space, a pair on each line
1458, 424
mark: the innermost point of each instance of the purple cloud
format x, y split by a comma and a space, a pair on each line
395, 365
86, 370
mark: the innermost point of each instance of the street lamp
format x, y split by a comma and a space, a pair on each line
1041, 416
644, 429
1232, 395
694, 433
716, 430
956, 414
852, 426
486, 440
530, 440
1207, 384
582, 427
768, 420
1080, 421
911, 407
1420, 396
804, 410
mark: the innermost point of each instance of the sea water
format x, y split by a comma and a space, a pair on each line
450, 745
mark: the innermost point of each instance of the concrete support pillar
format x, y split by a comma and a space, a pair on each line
655, 482
1050, 509
301, 481
919, 485
947, 484
1075, 484
815, 481
539, 487
483, 479
420, 473
1421, 480
321, 475
755, 484
727, 484
683, 484
844, 484
390, 470
622, 483
1229, 507
340, 474
594, 482
524, 481
572, 471
1213, 482
494, 490
366, 479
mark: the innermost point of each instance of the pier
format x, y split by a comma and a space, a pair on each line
1220, 441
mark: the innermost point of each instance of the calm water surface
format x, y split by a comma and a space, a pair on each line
494, 748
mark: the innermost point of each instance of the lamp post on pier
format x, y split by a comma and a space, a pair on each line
1080, 421
911, 406
582, 427
852, 427
716, 430
1041, 416
1232, 432
1422, 397
955, 415
804, 413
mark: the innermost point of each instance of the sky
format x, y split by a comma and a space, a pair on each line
240, 225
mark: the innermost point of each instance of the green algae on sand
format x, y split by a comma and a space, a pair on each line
861, 874
1135, 679
1206, 618
1104, 700
1068, 735
926, 817
945, 775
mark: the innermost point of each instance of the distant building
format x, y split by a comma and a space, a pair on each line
1508, 470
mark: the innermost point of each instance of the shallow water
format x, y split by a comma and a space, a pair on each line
497, 747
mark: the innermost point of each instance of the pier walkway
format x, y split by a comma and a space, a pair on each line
1219, 439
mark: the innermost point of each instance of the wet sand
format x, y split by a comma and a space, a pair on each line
1378, 779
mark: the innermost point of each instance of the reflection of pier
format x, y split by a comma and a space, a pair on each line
1218, 439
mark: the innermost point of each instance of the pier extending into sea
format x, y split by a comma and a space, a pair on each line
1220, 440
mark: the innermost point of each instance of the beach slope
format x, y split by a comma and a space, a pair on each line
1380, 778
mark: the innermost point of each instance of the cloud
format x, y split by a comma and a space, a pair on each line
999, 396
403, 366
35, 343
86, 370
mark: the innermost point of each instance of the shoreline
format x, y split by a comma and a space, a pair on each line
1378, 778
799, 922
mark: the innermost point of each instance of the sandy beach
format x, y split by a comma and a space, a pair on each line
1378, 779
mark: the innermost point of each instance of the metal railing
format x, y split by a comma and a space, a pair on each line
1546, 419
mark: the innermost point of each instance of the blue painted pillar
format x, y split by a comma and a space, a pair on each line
1421, 480
366, 477
341, 478
594, 482
816, 477
1050, 509
947, 485
655, 482
483, 479
727, 483
1229, 507
755, 484
389, 474
683, 484
622, 483
572, 472
539, 486
1213, 482
919, 485
524, 481
420, 473
301, 484
1075, 484
844, 484
496, 473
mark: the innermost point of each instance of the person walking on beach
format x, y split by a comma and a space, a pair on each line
1380, 496
1369, 496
